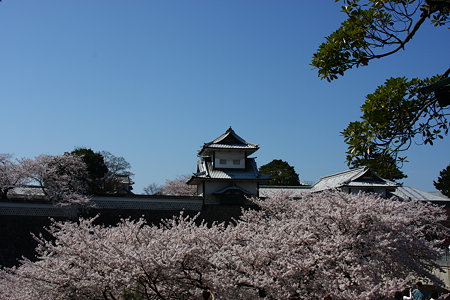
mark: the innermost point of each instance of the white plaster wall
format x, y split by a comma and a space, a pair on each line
230, 157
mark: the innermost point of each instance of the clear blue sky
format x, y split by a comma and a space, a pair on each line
153, 80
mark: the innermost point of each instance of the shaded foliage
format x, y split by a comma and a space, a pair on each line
107, 173
443, 181
96, 168
152, 189
118, 178
281, 173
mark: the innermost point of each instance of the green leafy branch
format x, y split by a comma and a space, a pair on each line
374, 29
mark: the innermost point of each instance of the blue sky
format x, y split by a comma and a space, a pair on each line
153, 80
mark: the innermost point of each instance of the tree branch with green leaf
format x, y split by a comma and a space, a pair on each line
374, 29
400, 112
394, 117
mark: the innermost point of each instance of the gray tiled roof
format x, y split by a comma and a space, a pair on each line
229, 140
411, 193
349, 178
36, 209
230, 146
150, 203
207, 171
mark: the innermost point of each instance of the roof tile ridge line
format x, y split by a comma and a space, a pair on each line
389, 182
225, 146
340, 173
426, 193
222, 136
392, 182
440, 195
402, 193
417, 192
231, 131
363, 170
409, 192
217, 138
431, 194
228, 132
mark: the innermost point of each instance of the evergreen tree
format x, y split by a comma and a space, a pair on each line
96, 168
281, 172
443, 181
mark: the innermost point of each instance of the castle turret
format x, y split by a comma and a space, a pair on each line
225, 172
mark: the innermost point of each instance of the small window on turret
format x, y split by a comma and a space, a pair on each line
236, 162
223, 161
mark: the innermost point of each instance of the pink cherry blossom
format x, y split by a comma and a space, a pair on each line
350, 246
178, 187
61, 179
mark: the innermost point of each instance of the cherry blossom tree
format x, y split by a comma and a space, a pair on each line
59, 177
96, 169
118, 171
350, 246
178, 187
152, 189
11, 175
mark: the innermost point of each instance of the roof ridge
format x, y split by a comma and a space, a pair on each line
361, 172
343, 172
229, 131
